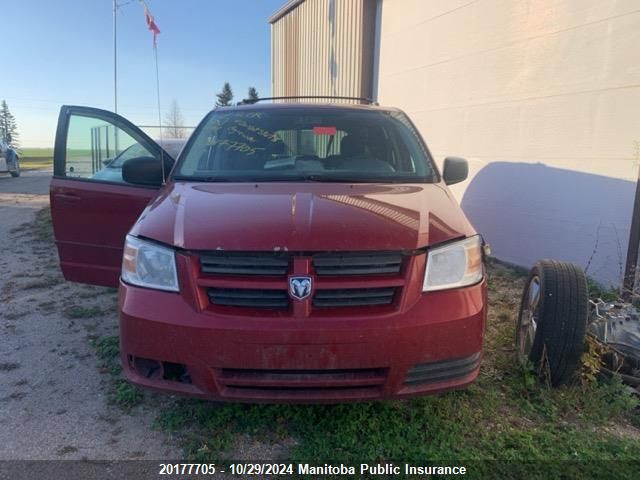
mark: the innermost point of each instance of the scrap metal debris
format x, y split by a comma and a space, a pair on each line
616, 325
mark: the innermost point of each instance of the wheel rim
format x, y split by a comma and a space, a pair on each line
528, 321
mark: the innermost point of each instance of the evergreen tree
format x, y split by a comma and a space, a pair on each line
8, 127
253, 95
225, 96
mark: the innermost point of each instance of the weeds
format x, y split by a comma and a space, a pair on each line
462, 426
597, 291
15, 315
121, 393
125, 395
590, 361
506, 415
7, 367
43, 282
77, 311
41, 227
107, 349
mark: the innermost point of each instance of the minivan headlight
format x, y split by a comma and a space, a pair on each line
150, 265
456, 264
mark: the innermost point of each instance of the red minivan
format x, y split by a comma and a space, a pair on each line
292, 252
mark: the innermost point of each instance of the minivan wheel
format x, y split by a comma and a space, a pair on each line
553, 318
16, 172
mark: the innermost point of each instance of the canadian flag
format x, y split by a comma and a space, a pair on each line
151, 24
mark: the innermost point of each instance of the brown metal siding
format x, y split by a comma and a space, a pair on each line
315, 34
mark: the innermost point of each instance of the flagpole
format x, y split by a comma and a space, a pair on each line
155, 31
115, 58
155, 51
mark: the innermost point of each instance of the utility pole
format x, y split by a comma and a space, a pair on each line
630, 271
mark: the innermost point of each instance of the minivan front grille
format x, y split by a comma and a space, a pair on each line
324, 264
240, 263
358, 263
254, 298
353, 297
259, 280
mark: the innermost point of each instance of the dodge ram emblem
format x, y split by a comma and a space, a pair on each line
299, 287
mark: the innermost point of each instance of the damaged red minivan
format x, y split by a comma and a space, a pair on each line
292, 252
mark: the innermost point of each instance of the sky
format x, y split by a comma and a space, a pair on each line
61, 52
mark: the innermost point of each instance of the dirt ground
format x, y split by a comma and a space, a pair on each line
53, 397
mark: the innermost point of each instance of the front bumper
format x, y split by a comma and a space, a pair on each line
432, 346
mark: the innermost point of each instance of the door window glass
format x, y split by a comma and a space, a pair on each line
97, 149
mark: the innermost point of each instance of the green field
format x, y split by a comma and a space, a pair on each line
35, 158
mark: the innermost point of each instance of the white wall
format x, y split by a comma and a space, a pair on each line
543, 98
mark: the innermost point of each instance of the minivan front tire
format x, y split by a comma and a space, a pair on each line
16, 173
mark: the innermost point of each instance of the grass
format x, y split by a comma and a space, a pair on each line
597, 291
121, 393
504, 419
79, 311
494, 421
7, 367
125, 395
15, 315
43, 282
36, 152
40, 228
107, 348
35, 158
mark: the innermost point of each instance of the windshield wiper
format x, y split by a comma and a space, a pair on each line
351, 179
194, 178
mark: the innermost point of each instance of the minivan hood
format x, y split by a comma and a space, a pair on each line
302, 216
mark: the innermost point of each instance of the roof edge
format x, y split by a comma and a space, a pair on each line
283, 10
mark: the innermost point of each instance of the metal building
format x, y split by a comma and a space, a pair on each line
323, 47
541, 97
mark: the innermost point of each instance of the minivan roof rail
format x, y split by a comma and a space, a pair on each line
298, 97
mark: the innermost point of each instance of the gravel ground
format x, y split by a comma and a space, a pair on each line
53, 398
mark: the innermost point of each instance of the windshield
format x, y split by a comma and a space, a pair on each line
314, 144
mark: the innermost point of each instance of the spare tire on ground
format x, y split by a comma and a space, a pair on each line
553, 316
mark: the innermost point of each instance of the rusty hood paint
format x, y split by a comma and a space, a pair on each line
302, 216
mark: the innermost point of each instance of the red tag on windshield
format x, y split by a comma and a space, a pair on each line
324, 130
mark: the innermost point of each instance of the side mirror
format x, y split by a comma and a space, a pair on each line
455, 170
145, 171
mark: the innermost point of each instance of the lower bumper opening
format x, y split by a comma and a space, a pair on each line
159, 370
303, 393
302, 384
